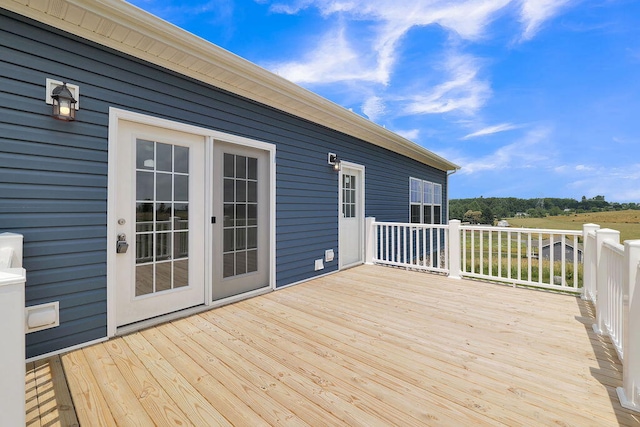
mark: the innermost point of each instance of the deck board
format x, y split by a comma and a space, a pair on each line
370, 346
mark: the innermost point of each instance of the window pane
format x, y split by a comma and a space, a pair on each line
144, 154
181, 216
163, 217
181, 244
415, 186
228, 245
144, 279
437, 194
241, 238
252, 191
252, 261
164, 157
181, 191
181, 273
164, 190
144, 248
228, 263
241, 191
229, 190
252, 168
144, 186
252, 237
241, 215
427, 215
163, 246
241, 262
241, 167
163, 276
252, 214
181, 159
229, 162
437, 215
428, 193
229, 215
415, 214
144, 217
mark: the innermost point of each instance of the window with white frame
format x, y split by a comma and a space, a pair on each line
425, 202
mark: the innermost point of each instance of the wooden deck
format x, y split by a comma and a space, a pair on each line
365, 347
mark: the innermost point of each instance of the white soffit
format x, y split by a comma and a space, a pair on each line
128, 29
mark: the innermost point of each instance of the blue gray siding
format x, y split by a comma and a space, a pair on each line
53, 175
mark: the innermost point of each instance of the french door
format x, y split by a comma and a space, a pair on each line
160, 214
241, 237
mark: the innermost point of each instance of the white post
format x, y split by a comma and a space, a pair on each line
589, 267
628, 393
12, 356
369, 240
454, 249
602, 298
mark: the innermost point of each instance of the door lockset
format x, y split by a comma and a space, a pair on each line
121, 244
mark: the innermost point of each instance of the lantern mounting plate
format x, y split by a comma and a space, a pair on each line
74, 89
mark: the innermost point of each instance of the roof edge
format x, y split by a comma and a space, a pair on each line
131, 30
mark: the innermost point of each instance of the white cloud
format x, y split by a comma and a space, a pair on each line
373, 107
620, 184
528, 152
411, 135
535, 12
332, 61
464, 92
490, 130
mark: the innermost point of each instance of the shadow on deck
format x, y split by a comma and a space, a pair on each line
367, 346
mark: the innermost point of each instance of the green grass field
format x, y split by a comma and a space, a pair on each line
626, 222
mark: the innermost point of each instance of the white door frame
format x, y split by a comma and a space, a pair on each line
361, 202
117, 114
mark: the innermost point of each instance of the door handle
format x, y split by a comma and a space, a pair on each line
121, 244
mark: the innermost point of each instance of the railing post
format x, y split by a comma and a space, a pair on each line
369, 240
589, 266
628, 393
454, 249
602, 273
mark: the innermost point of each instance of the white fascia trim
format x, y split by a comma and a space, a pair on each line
128, 29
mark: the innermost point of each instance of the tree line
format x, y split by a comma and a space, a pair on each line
482, 210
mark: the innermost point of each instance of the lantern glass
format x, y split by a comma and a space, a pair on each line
63, 103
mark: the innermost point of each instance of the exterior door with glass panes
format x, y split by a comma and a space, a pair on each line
241, 214
160, 207
351, 215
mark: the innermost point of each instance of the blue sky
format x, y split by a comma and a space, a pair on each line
532, 98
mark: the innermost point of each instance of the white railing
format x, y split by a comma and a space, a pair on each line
550, 259
604, 271
609, 316
415, 246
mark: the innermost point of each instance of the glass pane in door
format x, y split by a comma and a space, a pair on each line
348, 196
240, 224
162, 217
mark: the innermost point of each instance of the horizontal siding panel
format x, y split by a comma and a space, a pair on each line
52, 262
23, 221
44, 277
32, 249
50, 291
21, 177
44, 192
54, 206
61, 233
37, 163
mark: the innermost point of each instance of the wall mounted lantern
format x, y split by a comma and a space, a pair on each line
334, 161
63, 98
